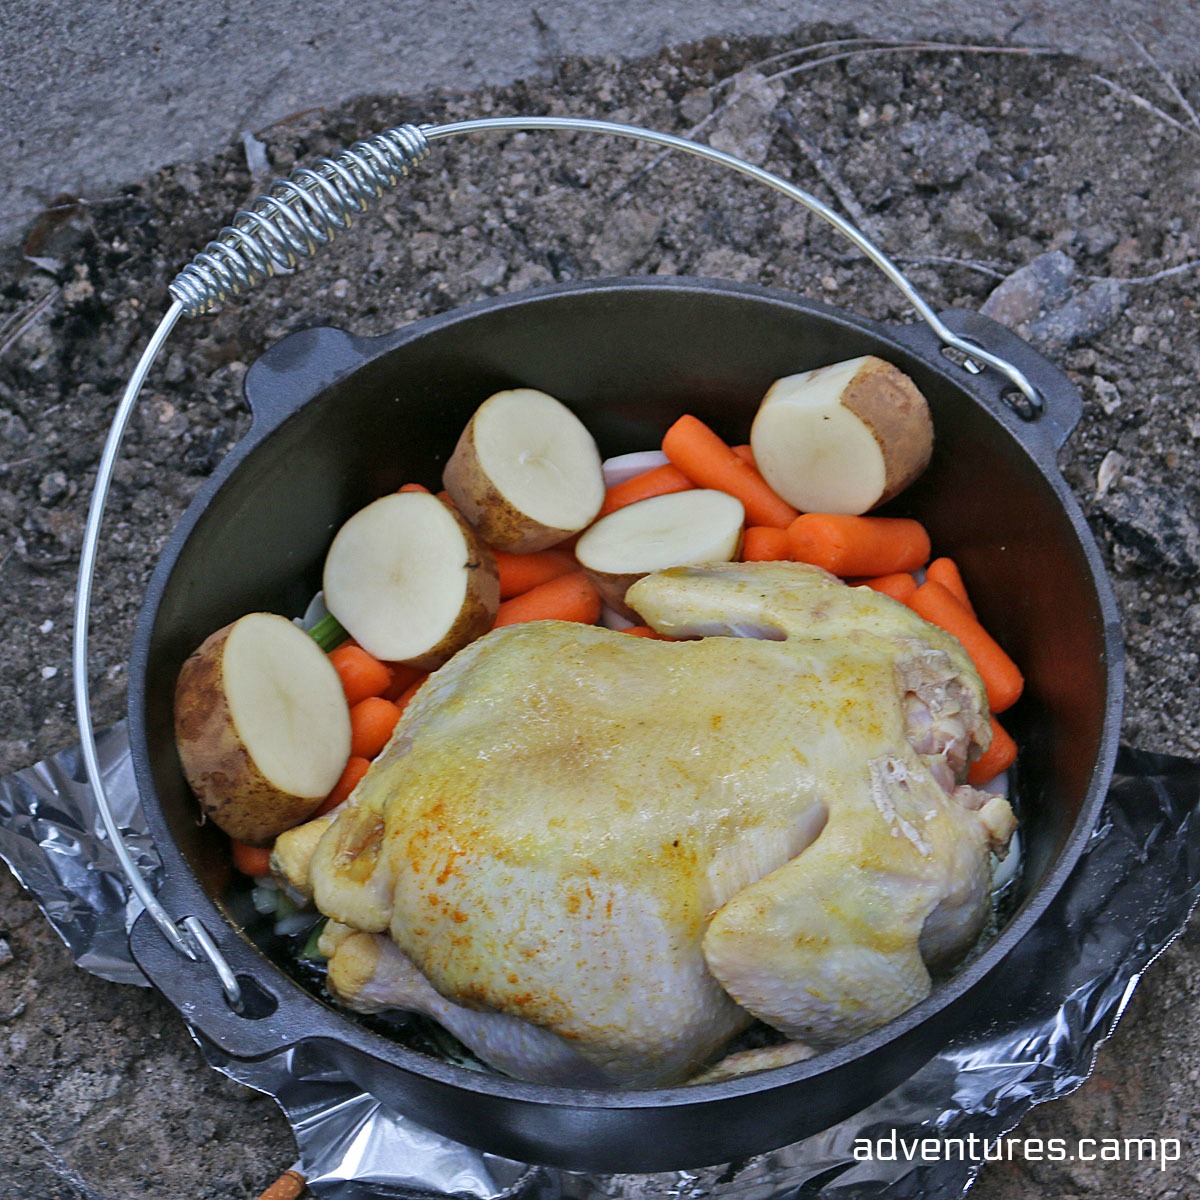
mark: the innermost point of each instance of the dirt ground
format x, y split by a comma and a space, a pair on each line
969, 165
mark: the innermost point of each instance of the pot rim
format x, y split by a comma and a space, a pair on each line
909, 340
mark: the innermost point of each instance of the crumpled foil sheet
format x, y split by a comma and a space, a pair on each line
1031, 1041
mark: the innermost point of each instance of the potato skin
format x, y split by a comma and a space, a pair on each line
891, 406
612, 589
499, 523
231, 789
482, 599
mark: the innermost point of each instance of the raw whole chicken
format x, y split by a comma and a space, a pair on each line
597, 858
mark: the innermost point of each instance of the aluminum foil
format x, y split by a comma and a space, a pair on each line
1032, 1041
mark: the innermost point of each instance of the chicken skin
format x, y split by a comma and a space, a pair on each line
598, 858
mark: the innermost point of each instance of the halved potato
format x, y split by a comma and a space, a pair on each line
526, 472
676, 530
843, 438
262, 726
410, 580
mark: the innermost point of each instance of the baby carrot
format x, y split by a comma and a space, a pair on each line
403, 677
645, 631
371, 723
413, 487
520, 572
999, 756
568, 598
355, 768
945, 571
849, 545
900, 585
362, 675
658, 481
999, 673
708, 462
744, 452
252, 860
764, 543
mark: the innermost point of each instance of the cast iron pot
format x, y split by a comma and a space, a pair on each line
340, 420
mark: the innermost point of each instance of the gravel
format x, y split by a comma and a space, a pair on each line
1017, 177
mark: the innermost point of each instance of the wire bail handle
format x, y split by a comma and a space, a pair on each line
290, 222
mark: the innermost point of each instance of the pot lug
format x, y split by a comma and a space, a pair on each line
298, 368
266, 1024
1063, 404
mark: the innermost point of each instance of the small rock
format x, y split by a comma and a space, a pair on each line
969, 226
696, 105
489, 271
1029, 292
176, 369
745, 128
1082, 317
256, 155
14, 433
626, 239
1124, 256
529, 275
1156, 525
80, 288
6, 954
723, 262
1107, 395
1098, 239
946, 150
53, 487
1110, 470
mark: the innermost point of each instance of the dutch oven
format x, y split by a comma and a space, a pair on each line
339, 420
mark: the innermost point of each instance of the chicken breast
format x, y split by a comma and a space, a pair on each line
638, 846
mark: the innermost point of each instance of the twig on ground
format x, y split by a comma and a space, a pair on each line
811, 48
911, 48
862, 46
1156, 277
19, 1009
1168, 79
18, 323
994, 270
1141, 102
58, 1165
827, 172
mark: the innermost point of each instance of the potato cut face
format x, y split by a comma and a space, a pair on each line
286, 704
397, 575
675, 530
815, 453
540, 457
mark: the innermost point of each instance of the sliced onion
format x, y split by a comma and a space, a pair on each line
628, 466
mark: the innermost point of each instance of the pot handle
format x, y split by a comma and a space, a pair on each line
236, 1011
1062, 405
303, 213
292, 221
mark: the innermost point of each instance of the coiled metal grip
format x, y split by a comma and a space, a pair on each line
296, 218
